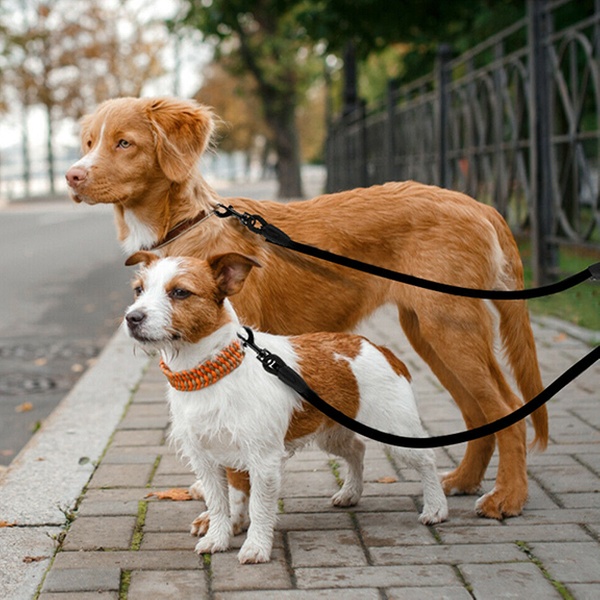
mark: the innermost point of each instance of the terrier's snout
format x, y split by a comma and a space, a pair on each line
135, 318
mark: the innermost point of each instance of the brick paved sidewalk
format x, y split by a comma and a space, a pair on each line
124, 545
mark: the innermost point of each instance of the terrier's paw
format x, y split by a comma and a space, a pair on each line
346, 498
210, 545
432, 515
196, 491
200, 524
454, 485
252, 553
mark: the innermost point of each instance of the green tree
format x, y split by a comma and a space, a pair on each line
266, 39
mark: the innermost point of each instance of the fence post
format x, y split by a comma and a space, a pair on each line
443, 76
544, 250
390, 140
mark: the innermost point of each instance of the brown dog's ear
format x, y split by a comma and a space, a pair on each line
230, 271
142, 256
183, 131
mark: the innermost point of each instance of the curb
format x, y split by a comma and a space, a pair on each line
43, 483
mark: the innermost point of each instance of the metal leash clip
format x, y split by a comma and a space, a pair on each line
270, 362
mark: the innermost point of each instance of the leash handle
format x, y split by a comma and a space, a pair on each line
276, 236
276, 366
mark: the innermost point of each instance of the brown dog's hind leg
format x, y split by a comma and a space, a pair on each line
462, 358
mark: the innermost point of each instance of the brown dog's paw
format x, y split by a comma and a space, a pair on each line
499, 504
455, 485
200, 525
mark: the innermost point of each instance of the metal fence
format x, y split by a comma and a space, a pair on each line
514, 122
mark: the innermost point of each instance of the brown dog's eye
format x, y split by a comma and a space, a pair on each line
179, 294
123, 144
89, 143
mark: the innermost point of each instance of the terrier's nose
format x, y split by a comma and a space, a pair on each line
135, 318
75, 175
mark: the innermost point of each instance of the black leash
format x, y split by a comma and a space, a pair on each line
274, 235
276, 366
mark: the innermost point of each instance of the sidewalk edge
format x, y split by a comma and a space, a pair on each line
47, 477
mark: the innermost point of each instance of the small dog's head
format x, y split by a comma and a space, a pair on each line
132, 146
180, 300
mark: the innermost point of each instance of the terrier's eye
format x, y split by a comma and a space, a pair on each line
123, 144
179, 294
138, 290
89, 143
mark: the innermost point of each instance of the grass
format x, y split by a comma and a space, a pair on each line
579, 305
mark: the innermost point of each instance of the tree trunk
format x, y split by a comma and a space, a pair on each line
281, 117
50, 150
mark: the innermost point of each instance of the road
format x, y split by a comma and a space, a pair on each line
63, 290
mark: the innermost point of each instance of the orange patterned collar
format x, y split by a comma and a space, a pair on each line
208, 372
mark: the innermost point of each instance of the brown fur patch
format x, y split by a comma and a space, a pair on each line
328, 375
399, 367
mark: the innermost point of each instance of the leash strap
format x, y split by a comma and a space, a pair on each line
274, 235
276, 366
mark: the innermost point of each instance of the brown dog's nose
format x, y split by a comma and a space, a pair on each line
75, 175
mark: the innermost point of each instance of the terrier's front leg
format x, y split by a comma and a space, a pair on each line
265, 482
218, 536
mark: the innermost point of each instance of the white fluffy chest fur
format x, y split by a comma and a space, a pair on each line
139, 234
240, 418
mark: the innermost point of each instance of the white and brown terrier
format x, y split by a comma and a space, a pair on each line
227, 411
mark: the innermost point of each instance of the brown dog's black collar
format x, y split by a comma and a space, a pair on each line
180, 229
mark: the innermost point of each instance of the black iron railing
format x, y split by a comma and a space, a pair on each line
514, 122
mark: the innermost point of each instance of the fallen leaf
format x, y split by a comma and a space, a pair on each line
25, 407
77, 368
7, 524
561, 337
387, 480
7, 452
40, 362
176, 494
31, 559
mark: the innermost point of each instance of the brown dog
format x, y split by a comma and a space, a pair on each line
140, 155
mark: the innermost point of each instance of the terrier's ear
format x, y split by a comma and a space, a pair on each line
142, 256
183, 130
230, 271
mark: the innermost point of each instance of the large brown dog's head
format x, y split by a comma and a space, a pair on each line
133, 146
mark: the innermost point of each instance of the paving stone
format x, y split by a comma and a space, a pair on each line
580, 500
510, 533
428, 593
325, 548
94, 579
391, 529
585, 591
79, 596
111, 476
138, 437
128, 561
146, 585
516, 580
298, 484
100, 533
166, 515
169, 541
330, 594
444, 554
563, 479
228, 574
570, 562
316, 521
381, 577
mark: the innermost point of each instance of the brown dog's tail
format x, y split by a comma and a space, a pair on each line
516, 333
519, 346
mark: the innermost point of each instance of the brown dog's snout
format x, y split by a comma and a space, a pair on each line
135, 318
75, 175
